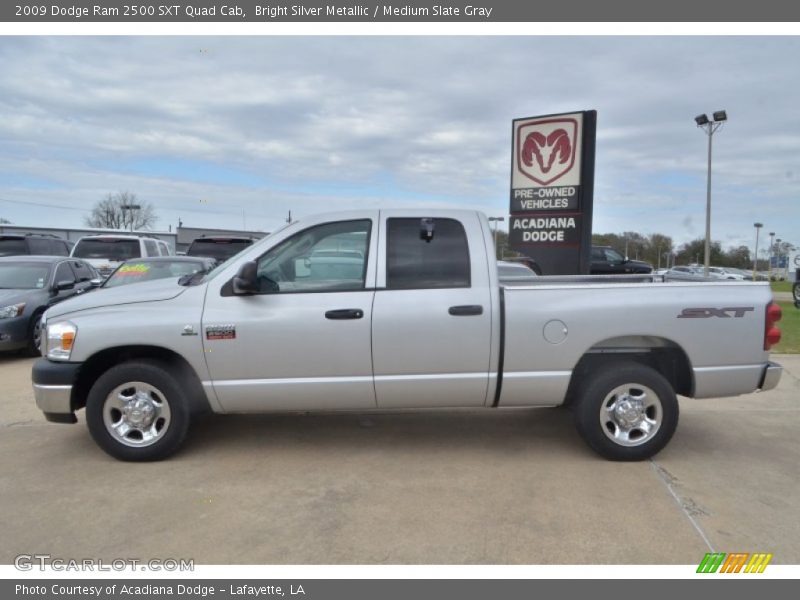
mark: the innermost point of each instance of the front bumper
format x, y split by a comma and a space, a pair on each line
14, 333
770, 377
52, 388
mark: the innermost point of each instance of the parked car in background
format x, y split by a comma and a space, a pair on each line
158, 267
514, 273
606, 260
38, 244
724, 273
31, 284
106, 252
684, 272
220, 248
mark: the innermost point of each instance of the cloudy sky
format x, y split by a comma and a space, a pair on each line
211, 129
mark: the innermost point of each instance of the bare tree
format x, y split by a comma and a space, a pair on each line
118, 211
4, 221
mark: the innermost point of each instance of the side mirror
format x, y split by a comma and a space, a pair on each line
97, 282
63, 285
246, 280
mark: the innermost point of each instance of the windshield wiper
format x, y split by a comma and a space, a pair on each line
191, 279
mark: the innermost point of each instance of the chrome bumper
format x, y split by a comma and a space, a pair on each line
53, 398
771, 376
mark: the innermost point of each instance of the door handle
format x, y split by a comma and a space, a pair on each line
467, 310
344, 313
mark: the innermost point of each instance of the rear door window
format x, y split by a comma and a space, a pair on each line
415, 262
151, 247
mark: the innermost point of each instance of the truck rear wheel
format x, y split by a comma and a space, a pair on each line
137, 411
626, 412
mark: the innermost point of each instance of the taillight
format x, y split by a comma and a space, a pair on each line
772, 335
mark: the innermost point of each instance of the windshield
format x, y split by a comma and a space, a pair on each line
108, 247
220, 249
24, 276
12, 246
136, 271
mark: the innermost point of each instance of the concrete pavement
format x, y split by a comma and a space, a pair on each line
499, 487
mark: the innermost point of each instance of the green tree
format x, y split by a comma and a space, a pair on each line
738, 258
659, 249
695, 252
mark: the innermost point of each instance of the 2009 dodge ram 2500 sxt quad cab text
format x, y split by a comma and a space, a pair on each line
397, 309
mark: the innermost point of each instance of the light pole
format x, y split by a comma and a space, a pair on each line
495, 220
710, 127
758, 227
771, 246
130, 208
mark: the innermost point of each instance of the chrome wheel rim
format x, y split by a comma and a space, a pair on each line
136, 414
631, 414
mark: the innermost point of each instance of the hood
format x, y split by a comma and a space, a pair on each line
134, 293
8, 297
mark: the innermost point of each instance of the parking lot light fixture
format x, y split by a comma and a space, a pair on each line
710, 127
758, 227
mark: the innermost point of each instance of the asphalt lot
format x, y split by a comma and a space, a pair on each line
433, 488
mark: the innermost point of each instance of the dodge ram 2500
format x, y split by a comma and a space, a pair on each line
395, 309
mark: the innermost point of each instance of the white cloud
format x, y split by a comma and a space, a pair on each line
398, 120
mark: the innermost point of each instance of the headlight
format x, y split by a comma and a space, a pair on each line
60, 340
9, 312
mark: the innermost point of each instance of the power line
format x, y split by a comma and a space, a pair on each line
30, 202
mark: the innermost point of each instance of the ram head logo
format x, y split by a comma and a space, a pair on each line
546, 149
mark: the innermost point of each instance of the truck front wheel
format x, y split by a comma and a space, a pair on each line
137, 411
626, 412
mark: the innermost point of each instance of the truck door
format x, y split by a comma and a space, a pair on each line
303, 342
432, 315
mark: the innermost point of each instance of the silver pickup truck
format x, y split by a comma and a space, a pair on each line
396, 309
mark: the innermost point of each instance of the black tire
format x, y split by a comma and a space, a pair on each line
796, 292
594, 394
170, 392
33, 348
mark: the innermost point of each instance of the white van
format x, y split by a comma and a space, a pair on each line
106, 252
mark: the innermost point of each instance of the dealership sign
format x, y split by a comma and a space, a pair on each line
552, 176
